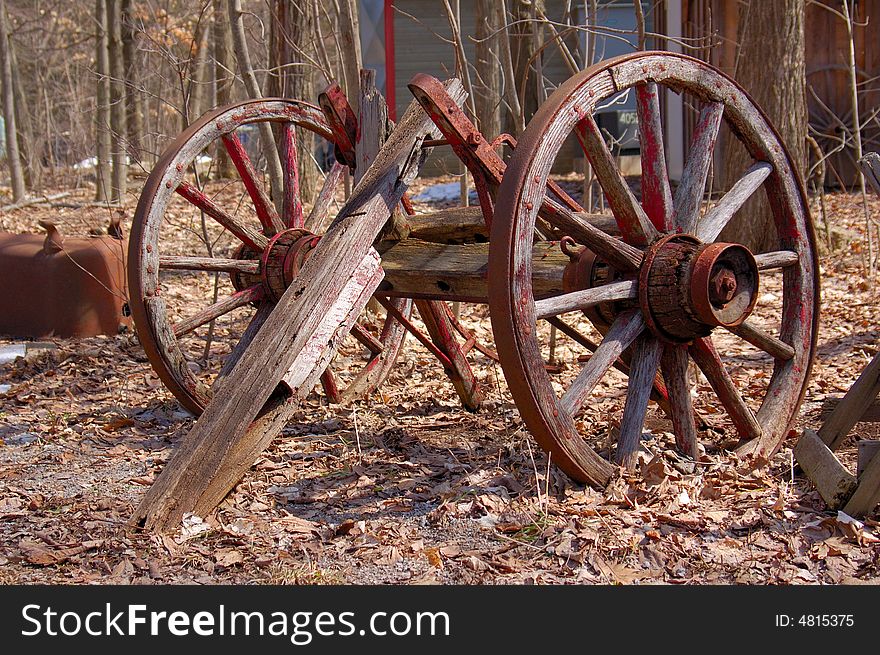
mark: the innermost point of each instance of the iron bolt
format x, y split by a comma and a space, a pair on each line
474, 138
722, 286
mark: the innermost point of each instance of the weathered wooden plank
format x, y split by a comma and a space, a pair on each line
586, 298
634, 224
466, 225
643, 370
373, 129
372, 123
710, 226
867, 495
222, 444
455, 225
626, 327
760, 339
851, 409
867, 449
418, 269
320, 347
656, 193
181, 263
870, 165
674, 364
689, 193
871, 415
833, 482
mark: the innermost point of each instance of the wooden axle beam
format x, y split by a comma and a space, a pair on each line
433, 271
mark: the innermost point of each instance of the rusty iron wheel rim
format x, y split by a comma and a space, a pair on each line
152, 322
512, 307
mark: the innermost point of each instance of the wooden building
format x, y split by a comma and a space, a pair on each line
403, 37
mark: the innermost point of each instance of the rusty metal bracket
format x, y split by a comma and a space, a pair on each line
342, 120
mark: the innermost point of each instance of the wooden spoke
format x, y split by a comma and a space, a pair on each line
172, 262
707, 358
577, 300
623, 332
262, 203
776, 259
418, 334
656, 194
674, 365
766, 342
619, 254
236, 300
370, 342
250, 237
710, 226
291, 211
634, 224
573, 334
645, 360
262, 313
318, 221
659, 392
328, 383
690, 192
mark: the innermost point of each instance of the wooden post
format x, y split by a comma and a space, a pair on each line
853, 406
250, 403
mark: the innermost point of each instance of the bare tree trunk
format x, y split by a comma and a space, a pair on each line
117, 97
523, 36
771, 67
28, 148
197, 89
134, 106
12, 154
224, 76
102, 102
517, 115
849, 10
352, 62
488, 86
293, 76
242, 54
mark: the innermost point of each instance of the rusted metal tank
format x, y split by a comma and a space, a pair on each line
53, 286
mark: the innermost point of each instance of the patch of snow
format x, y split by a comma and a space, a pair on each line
444, 193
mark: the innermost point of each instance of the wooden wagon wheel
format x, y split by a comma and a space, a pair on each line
240, 253
674, 290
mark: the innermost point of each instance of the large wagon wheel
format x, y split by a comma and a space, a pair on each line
671, 291
239, 252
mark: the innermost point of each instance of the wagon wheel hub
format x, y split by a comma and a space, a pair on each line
280, 262
688, 288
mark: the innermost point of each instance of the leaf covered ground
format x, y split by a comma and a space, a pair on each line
408, 488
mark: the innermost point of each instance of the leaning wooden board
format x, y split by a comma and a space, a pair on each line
225, 440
